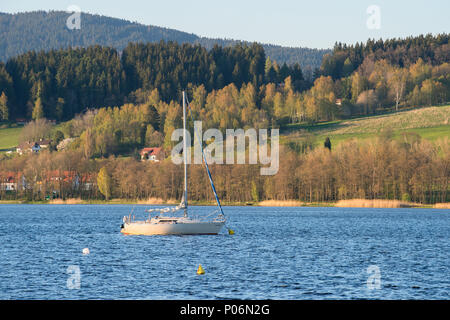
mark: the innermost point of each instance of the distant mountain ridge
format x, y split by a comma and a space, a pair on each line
41, 30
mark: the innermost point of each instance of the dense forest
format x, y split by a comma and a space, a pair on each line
366, 79
23, 32
345, 58
68, 81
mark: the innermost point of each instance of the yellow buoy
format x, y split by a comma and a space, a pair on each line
200, 270
230, 232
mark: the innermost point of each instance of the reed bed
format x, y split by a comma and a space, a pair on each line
280, 203
157, 201
445, 205
67, 201
376, 203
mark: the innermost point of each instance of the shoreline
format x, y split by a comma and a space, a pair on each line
382, 204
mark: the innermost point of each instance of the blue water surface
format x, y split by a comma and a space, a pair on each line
276, 253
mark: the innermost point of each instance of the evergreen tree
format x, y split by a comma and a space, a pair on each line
284, 72
347, 69
59, 111
38, 110
153, 117
327, 143
267, 66
4, 111
298, 82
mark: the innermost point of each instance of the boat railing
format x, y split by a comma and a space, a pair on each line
128, 219
219, 218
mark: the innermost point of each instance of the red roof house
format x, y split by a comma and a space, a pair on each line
152, 154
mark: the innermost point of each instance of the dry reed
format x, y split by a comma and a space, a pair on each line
280, 203
157, 201
67, 201
376, 203
445, 205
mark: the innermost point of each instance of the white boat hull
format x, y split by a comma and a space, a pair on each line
179, 228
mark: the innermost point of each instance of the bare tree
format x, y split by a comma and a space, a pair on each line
367, 100
397, 83
35, 130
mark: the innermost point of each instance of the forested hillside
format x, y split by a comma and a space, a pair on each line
345, 58
116, 104
61, 83
373, 78
22, 32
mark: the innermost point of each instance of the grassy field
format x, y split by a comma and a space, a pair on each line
430, 123
9, 138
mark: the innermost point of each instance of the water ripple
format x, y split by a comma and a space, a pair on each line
276, 253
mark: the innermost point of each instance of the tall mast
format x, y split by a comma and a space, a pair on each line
185, 155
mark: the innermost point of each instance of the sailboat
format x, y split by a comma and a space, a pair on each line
164, 224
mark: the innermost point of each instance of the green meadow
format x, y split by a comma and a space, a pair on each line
429, 123
9, 138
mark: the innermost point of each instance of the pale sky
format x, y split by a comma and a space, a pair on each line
314, 23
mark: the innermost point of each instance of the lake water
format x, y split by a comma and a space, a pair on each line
276, 253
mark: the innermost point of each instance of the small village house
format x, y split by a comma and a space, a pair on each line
8, 181
51, 181
33, 146
152, 154
21, 121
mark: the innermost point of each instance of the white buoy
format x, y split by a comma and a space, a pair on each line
86, 251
